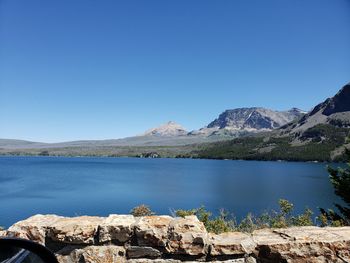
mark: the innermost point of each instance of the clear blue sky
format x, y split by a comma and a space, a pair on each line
88, 69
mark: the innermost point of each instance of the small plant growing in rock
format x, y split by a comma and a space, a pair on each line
215, 225
183, 213
142, 210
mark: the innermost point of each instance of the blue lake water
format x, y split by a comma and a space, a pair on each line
101, 186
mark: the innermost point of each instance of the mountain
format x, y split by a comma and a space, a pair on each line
334, 111
322, 135
242, 121
244, 133
254, 119
230, 124
168, 129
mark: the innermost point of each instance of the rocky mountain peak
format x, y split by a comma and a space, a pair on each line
334, 110
255, 118
297, 111
339, 103
170, 128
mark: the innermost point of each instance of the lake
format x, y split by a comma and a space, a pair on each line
101, 186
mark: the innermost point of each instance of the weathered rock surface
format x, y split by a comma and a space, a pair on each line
153, 231
143, 260
124, 238
231, 243
187, 236
142, 252
239, 260
75, 230
92, 254
34, 228
254, 119
116, 228
303, 244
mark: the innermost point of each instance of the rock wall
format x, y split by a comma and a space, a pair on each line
124, 238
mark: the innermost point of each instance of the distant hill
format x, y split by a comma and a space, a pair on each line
12, 143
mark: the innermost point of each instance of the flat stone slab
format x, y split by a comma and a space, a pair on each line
142, 252
145, 260
116, 228
152, 231
187, 236
303, 244
75, 230
342, 232
309, 234
92, 254
231, 243
34, 228
268, 237
238, 260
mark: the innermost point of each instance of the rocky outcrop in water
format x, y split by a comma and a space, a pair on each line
124, 238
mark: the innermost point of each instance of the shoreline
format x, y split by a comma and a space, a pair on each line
191, 158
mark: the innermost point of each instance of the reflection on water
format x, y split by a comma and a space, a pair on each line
100, 186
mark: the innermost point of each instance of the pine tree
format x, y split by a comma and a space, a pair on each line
340, 179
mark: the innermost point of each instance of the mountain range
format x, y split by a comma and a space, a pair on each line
244, 133
334, 111
242, 121
230, 124
321, 134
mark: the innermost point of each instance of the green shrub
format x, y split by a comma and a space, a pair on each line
272, 219
142, 210
183, 213
285, 207
322, 218
330, 218
225, 222
247, 224
216, 225
221, 223
304, 219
